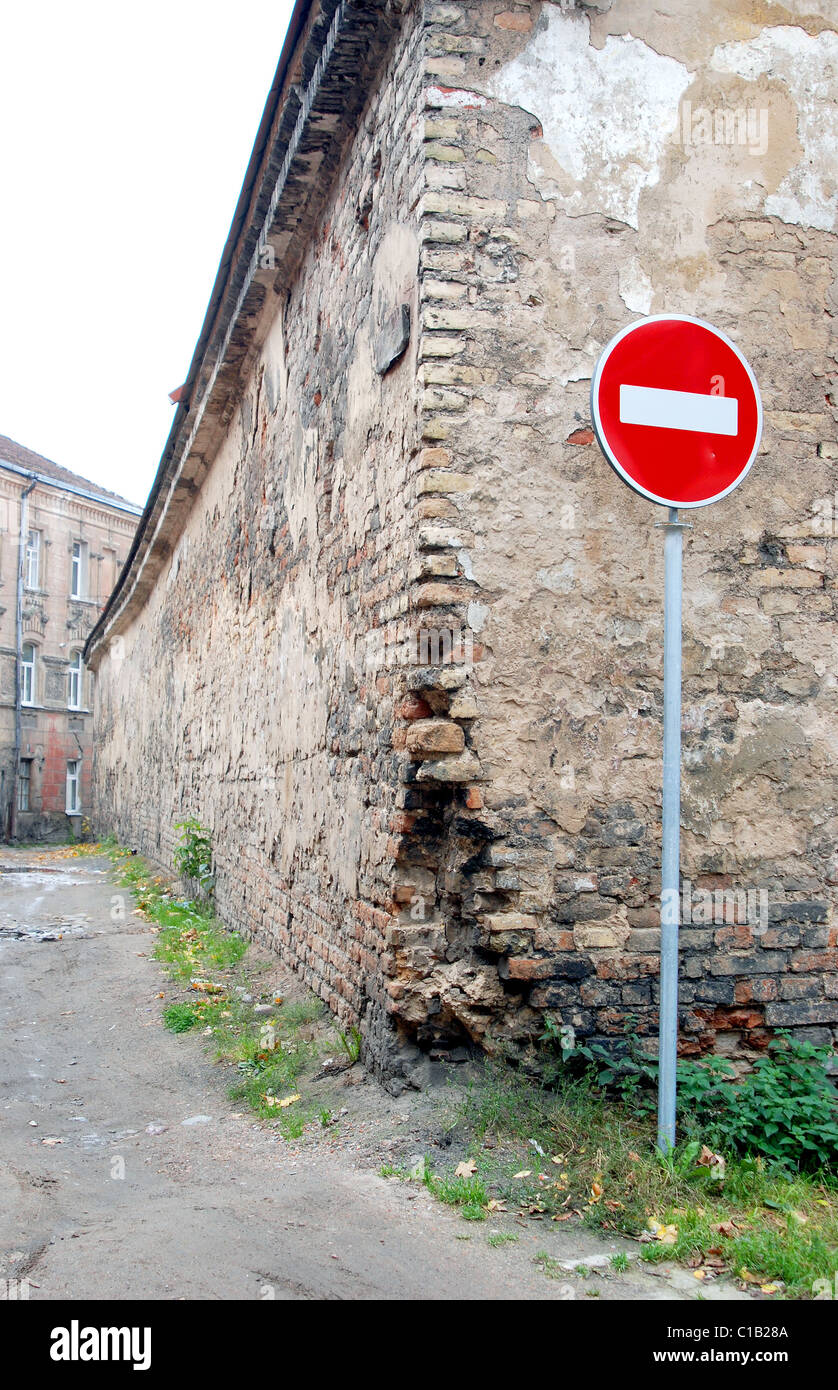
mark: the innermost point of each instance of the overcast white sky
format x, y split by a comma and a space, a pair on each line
126, 131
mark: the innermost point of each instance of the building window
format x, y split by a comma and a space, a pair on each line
76, 682
32, 561
27, 674
78, 570
24, 784
74, 787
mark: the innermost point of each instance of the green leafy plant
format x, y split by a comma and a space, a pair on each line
193, 854
350, 1043
787, 1107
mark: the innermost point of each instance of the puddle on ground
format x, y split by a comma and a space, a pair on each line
13, 930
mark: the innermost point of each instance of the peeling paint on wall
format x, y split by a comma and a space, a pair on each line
607, 113
808, 195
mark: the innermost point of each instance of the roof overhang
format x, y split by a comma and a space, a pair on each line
330, 53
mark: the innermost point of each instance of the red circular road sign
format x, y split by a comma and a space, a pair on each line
676, 410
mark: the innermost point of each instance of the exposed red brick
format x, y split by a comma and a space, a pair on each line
414, 707
516, 20
529, 969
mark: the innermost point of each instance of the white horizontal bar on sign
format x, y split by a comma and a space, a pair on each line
679, 410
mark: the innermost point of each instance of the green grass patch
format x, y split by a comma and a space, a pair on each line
179, 1018
469, 1194
548, 1265
565, 1151
269, 1053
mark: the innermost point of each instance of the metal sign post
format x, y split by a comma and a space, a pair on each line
671, 836
677, 413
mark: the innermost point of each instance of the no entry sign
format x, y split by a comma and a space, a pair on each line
676, 410
677, 413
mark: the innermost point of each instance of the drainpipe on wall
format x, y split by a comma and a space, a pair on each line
21, 552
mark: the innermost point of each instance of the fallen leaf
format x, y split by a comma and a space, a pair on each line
769, 1288
666, 1235
714, 1163
633, 1157
465, 1169
282, 1104
524, 1173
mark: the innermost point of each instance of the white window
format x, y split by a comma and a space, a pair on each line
76, 682
24, 784
78, 570
74, 787
32, 561
27, 674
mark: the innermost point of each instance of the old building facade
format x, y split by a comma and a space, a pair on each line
391, 627
63, 541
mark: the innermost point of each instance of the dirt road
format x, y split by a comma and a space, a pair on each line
126, 1172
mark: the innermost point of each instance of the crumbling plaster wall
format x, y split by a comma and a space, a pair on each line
574, 185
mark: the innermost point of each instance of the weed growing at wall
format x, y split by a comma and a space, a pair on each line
193, 855
784, 1110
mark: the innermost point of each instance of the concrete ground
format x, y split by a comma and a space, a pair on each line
126, 1172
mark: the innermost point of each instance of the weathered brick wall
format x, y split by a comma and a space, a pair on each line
571, 186
243, 693
449, 849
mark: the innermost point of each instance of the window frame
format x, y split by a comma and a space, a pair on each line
24, 781
73, 782
33, 554
28, 668
75, 676
78, 570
